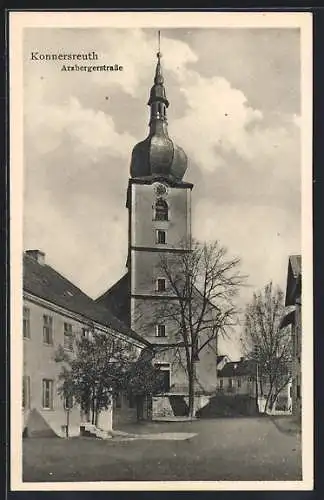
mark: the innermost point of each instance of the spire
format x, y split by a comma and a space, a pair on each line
159, 80
158, 101
158, 157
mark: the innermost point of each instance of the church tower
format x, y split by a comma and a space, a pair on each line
159, 227
159, 205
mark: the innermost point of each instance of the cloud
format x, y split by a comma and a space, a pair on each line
133, 49
262, 236
217, 116
243, 160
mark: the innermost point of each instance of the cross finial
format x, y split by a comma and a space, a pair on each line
159, 55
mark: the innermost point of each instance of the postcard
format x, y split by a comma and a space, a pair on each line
161, 250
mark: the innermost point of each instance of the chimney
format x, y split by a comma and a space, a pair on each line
37, 255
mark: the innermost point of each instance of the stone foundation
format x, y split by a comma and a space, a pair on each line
176, 405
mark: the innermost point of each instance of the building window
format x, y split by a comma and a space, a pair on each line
161, 210
160, 285
68, 338
86, 333
230, 383
47, 394
26, 322
160, 237
239, 383
47, 329
160, 330
221, 383
165, 376
26, 391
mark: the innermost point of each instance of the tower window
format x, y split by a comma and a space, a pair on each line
160, 331
160, 237
160, 285
161, 210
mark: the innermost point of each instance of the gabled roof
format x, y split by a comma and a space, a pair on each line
238, 368
295, 262
293, 288
43, 281
220, 358
117, 299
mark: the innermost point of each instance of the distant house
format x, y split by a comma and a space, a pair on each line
56, 312
292, 317
237, 377
221, 361
240, 378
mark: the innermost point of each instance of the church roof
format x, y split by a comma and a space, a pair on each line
117, 299
42, 281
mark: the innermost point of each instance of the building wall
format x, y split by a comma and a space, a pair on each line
39, 363
143, 224
247, 386
145, 268
240, 385
296, 386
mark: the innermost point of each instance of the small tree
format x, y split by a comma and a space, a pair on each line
204, 283
96, 370
143, 380
266, 343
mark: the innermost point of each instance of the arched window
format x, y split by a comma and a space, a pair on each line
161, 210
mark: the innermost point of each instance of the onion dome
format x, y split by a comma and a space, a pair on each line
158, 157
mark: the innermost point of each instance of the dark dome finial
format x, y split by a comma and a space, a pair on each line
158, 156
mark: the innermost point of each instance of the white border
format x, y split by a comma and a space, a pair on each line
20, 20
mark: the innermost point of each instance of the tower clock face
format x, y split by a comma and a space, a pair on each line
160, 189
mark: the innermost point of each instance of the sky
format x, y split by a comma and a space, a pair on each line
234, 108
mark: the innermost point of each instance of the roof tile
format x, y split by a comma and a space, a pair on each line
44, 282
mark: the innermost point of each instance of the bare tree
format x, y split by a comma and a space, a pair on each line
202, 284
266, 343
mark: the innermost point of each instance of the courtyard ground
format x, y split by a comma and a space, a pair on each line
235, 449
